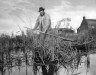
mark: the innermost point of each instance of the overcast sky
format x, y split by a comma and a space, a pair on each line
25, 12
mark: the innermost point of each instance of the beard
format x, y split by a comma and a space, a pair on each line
42, 14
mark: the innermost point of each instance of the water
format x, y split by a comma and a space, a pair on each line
15, 71
61, 71
82, 68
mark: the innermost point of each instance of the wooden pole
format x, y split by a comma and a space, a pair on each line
26, 62
66, 39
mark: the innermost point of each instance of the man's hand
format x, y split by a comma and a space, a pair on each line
36, 32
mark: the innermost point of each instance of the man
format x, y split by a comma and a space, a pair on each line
43, 22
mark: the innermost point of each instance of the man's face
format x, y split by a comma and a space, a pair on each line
42, 13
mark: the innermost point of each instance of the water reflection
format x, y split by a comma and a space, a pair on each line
61, 71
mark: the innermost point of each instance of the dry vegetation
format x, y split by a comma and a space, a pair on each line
27, 50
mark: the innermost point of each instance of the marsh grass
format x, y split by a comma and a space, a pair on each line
27, 50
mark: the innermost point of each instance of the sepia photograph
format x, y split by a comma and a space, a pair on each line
47, 37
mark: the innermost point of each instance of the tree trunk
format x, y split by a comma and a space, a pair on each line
50, 71
44, 70
35, 69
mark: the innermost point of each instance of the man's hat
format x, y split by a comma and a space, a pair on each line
41, 8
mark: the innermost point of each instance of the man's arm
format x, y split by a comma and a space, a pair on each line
37, 24
48, 23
